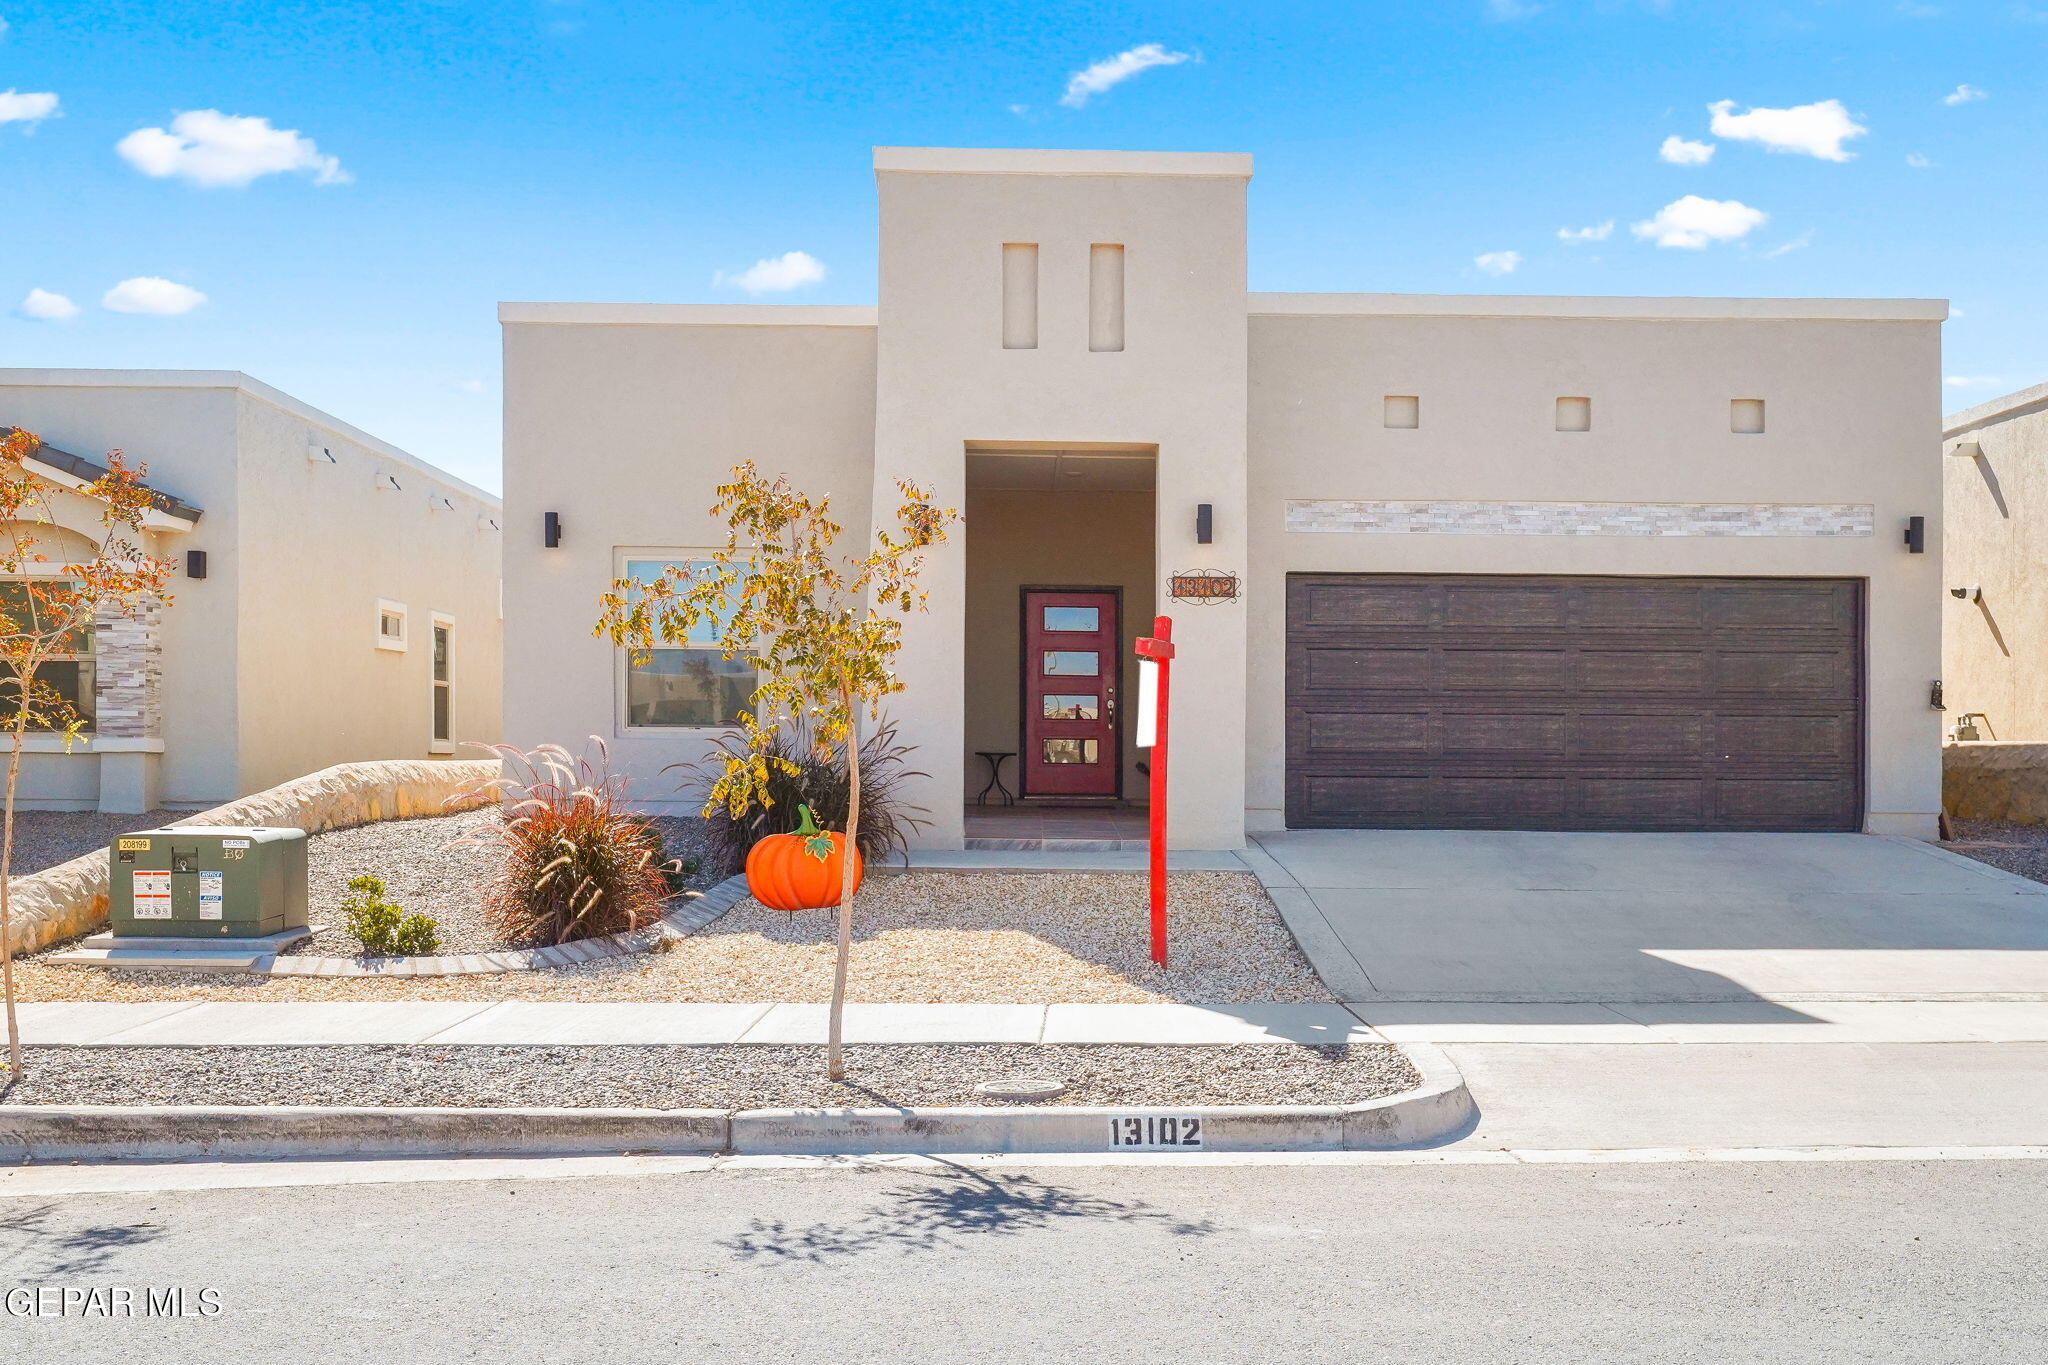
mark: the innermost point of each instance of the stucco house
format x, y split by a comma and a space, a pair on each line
336, 599
1498, 562
1995, 635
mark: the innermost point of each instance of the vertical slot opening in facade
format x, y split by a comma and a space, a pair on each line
1105, 297
1746, 416
1574, 414
1402, 411
1020, 296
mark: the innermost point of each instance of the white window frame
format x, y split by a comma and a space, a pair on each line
440, 620
400, 644
621, 666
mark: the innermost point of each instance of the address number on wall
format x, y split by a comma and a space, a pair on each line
1161, 1132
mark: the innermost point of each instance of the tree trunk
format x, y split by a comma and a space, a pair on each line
6, 902
835, 1057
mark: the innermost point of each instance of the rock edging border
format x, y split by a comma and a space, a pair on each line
1437, 1109
694, 913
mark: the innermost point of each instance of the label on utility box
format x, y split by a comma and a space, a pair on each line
152, 895
209, 895
234, 843
132, 846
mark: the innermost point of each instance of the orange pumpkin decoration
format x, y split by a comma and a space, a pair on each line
802, 870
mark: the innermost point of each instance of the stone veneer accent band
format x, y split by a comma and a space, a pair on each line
1584, 518
128, 667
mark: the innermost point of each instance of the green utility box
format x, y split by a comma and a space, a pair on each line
208, 881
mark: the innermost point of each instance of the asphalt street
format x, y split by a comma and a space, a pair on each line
1895, 1261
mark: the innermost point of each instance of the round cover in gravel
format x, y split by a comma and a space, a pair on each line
730, 1077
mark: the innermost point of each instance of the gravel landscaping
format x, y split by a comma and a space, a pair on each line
2021, 849
1024, 938
45, 838
731, 1077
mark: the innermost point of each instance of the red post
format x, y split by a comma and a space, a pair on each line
1159, 649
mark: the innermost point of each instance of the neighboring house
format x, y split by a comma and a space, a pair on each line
1995, 506
1506, 562
335, 599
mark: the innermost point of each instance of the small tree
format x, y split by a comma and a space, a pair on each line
821, 631
48, 608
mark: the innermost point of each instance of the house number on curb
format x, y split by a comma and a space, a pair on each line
1179, 1131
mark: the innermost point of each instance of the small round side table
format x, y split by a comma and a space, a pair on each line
995, 759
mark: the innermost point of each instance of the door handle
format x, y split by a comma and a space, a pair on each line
1109, 703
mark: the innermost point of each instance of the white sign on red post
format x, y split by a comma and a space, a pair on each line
1155, 671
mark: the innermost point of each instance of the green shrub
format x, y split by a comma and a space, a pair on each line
384, 929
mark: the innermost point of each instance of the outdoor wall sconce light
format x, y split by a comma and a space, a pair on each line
195, 563
1972, 593
1205, 523
317, 451
1969, 450
551, 529
1916, 535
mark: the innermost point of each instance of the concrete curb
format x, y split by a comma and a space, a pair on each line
1440, 1107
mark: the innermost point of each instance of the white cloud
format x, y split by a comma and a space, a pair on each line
1973, 381
44, 306
1505, 10
1498, 262
30, 107
777, 274
1599, 232
3, 28
1679, 152
1799, 243
1817, 129
1963, 94
470, 385
1115, 70
152, 294
213, 149
1917, 161
1693, 222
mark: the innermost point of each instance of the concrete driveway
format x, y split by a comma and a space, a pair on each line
1461, 916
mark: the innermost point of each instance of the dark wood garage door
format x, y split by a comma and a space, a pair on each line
1495, 702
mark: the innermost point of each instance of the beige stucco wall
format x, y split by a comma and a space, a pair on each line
1996, 506
1039, 539
186, 437
944, 379
319, 544
626, 428
269, 669
1852, 412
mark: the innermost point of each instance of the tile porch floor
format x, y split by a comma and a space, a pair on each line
1037, 827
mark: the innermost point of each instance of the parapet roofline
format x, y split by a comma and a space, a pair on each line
1052, 161
255, 388
1598, 308
2011, 405
687, 314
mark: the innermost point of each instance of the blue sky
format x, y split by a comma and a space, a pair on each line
420, 160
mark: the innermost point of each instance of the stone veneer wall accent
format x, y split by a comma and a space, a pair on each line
1584, 518
71, 898
1996, 779
128, 672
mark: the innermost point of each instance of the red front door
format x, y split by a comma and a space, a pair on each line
1071, 667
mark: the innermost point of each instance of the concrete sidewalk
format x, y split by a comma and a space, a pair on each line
249, 1024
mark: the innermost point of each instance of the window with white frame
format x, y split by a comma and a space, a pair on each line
681, 684
443, 685
66, 671
390, 624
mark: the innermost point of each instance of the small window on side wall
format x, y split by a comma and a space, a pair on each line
1574, 414
391, 632
1401, 412
1746, 416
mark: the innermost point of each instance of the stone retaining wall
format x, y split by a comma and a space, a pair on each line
1996, 779
71, 898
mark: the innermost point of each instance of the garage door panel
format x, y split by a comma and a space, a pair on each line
1574, 703
1369, 604
1634, 671
1362, 732
1506, 670
1483, 607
